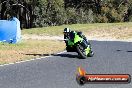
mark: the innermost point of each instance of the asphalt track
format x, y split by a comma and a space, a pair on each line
59, 70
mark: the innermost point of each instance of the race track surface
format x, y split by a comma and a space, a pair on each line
59, 71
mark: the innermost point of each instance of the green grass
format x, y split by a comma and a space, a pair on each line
57, 30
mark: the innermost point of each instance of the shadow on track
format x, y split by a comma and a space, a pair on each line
118, 50
129, 51
38, 54
67, 55
61, 55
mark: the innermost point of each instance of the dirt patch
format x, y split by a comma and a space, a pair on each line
108, 34
41, 37
115, 34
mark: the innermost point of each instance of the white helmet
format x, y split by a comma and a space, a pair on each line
66, 30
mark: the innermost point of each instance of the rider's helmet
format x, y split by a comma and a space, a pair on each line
66, 30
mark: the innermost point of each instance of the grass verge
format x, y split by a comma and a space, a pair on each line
28, 49
33, 48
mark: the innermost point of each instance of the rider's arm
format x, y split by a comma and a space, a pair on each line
72, 35
80, 34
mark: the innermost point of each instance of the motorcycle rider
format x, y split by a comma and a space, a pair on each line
68, 34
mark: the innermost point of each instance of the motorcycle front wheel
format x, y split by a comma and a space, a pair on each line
91, 54
81, 51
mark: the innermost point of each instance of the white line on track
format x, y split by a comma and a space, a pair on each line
30, 60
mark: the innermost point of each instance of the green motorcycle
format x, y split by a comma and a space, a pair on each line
76, 45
